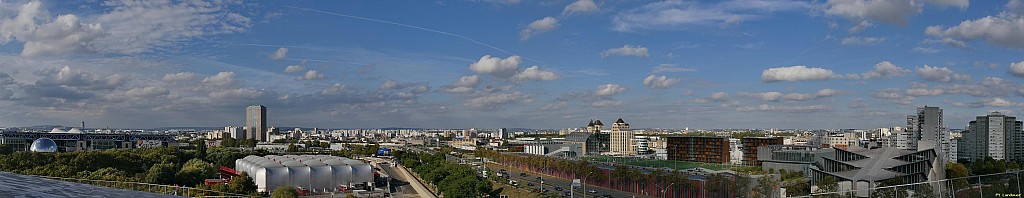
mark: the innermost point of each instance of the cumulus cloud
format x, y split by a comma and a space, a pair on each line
1017, 69
679, 14
120, 30
279, 54
334, 89
766, 107
391, 84
535, 73
606, 103
795, 73
1001, 102
894, 94
925, 92
180, 76
609, 90
294, 68
778, 96
488, 101
65, 76
221, 79
660, 82
497, 66
580, 7
940, 74
143, 92
856, 40
311, 75
627, 50
537, 27
864, 24
714, 97
43, 35
884, 69
889, 11
237, 93
1005, 29
463, 84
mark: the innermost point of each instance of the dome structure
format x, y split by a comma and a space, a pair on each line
57, 130
44, 145
75, 130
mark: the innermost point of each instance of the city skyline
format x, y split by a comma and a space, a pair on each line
509, 64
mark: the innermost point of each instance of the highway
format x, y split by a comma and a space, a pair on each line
550, 182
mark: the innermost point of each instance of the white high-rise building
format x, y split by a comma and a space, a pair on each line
235, 132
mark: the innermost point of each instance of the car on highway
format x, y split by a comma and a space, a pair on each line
558, 188
607, 195
591, 191
522, 174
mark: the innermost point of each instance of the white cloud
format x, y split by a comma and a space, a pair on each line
795, 73
464, 84
884, 69
311, 75
925, 92
534, 73
129, 26
279, 54
334, 89
1000, 102
181, 76
940, 74
679, 14
221, 79
606, 103
1017, 69
660, 82
671, 68
1005, 29
390, 84
237, 93
891, 11
609, 90
580, 7
627, 50
143, 92
777, 96
864, 24
714, 97
856, 40
497, 66
766, 107
496, 99
537, 27
294, 68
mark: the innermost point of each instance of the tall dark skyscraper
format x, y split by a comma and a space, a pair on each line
256, 122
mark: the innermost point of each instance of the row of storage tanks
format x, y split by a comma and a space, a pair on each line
317, 172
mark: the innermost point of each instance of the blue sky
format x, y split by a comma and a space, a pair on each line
493, 63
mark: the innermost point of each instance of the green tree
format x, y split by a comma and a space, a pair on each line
242, 184
891, 191
292, 148
229, 142
958, 173
828, 184
798, 188
284, 192
924, 191
6, 149
765, 187
162, 173
195, 171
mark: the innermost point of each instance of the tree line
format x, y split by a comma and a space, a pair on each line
451, 179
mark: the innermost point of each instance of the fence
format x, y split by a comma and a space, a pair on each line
1006, 184
145, 187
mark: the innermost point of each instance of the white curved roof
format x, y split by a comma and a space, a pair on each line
57, 130
309, 171
75, 130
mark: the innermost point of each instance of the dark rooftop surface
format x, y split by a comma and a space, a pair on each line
15, 185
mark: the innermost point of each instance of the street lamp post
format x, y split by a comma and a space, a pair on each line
584, 184
663, 189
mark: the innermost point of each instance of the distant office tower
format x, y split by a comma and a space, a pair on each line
256, 122
926, 131
622, 138
503, 133
235, 132
995, 135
